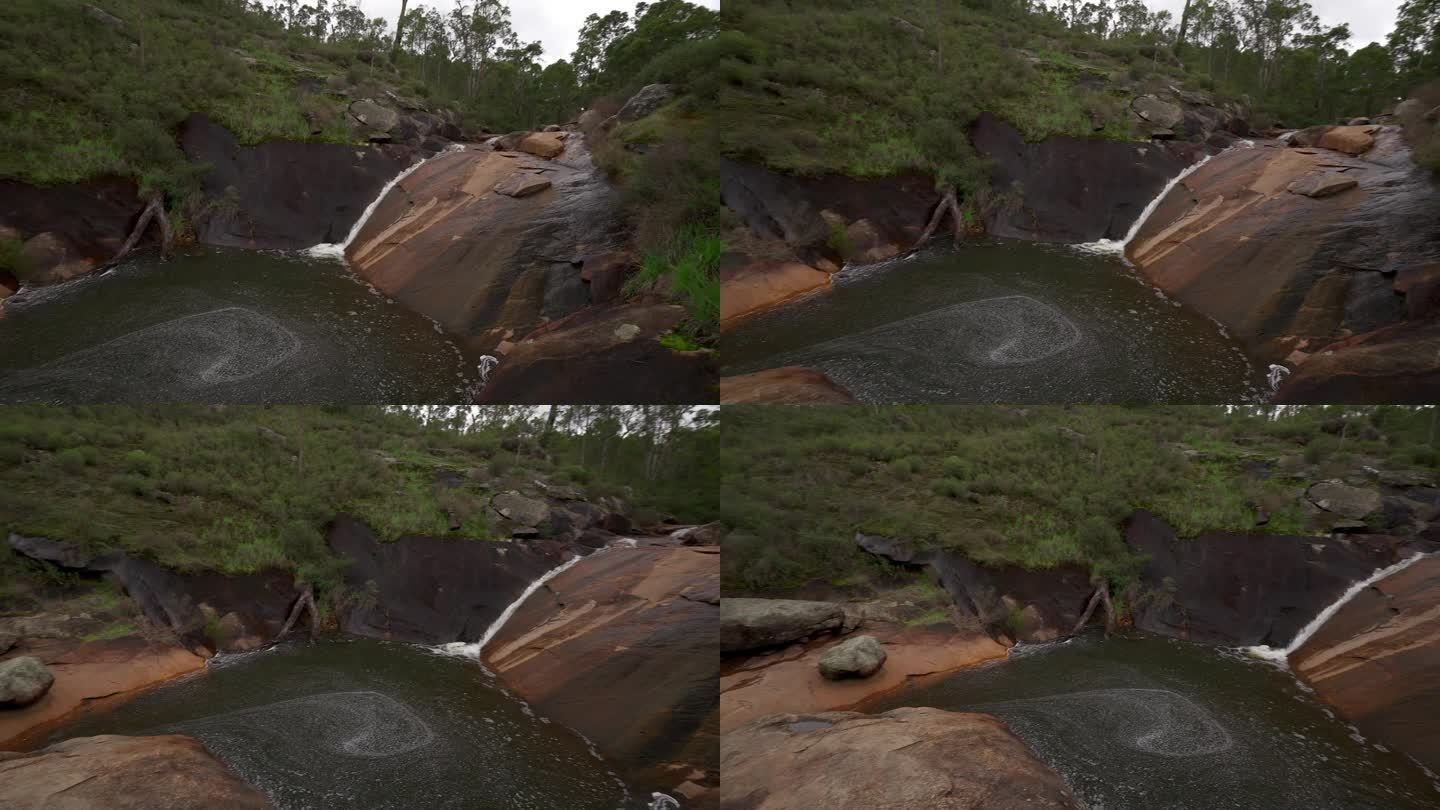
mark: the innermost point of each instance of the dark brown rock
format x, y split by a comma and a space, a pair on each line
791, 385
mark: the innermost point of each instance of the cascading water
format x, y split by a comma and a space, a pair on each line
472, 649
1282, 656
1117, 246
336, 250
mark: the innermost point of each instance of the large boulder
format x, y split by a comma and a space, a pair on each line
1350, 140
374, 115
522, 510
548, 145
621, 648
23, 681
904, 758
791, 385
1319, 185
110, 772
857, 657
284, 194
1157, 111
1343, 499
752, 624
1377, 660
709, 534
647, 100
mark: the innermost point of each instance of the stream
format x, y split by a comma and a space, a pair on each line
223, 325
1141, 722
1000, 321
348, 722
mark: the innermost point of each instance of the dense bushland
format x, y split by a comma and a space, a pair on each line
1036, 487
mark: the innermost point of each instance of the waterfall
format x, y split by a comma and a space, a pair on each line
336, 250
1282, 656
1117, 246
472, 650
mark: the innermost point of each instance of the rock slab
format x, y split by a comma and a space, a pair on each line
111, 772
911, 757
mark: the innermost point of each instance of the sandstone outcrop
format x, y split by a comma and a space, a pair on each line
1378, 658
790, 385
124, 773
747, 289
911, 757
621, 647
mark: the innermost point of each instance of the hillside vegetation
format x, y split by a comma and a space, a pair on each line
1037, 487
875, 88
241, 489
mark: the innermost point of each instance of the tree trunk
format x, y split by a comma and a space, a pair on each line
949, 204
1184, 27
307, 602
399, 26
1089, 609
154, 210
549, 422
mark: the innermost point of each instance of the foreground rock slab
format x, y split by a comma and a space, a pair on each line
123, 773
621, 647
1377, 661
911, 757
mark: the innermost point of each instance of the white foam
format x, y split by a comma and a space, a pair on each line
336, 250
1283, 656
1114, 247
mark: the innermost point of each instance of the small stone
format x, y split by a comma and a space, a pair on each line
522, 184
1322, 184
626, 332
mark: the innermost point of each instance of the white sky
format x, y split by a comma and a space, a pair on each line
555, 23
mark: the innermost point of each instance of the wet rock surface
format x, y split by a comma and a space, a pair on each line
1377, 659
124, 773
912, 757
1240, 589
1072, 189
621, 647
429, 589
1298, 278
284, 195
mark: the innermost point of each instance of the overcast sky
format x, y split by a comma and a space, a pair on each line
556, 22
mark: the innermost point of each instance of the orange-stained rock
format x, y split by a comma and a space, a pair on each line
547, 145
88, 672
764, 284
111, 772
791, 385
1397, 364
1355, 140
1275, 267
622, 647
915, 757
790, 681
1377, 661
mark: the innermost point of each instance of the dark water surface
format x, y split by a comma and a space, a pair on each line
223, 325
1143, 723
999, 321
369, 724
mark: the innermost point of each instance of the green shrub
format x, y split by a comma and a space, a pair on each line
141, 462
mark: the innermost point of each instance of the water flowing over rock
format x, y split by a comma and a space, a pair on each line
23, 681
791, 385
284, 194
751, 624
1297, 279
430, 589
621, 647
1071, 189
1377, 659
911, 757
857, 657
124, 773
1240, 589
